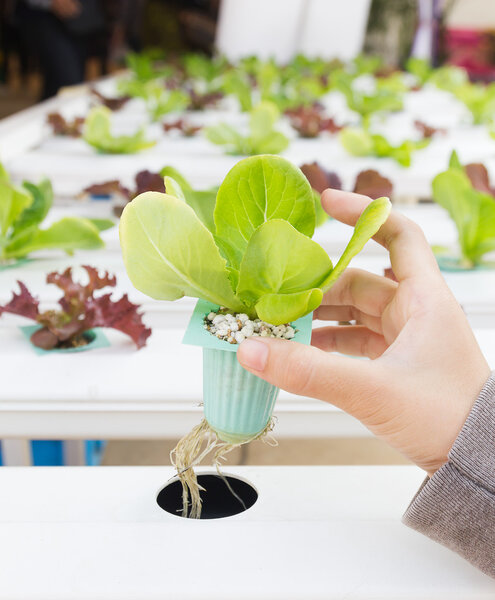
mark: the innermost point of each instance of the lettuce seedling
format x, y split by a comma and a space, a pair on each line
428, 131
63, 127
309, 121
262, 137
372, 184
360, 142
80, 311
160, 101
367, 104
183, 126
202, 201
472, 211
420, 68
112, 103
449, 78
259, 259
97, 133
24, 208
479, 99
202, 101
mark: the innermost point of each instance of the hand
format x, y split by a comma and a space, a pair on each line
426, 368
66, 9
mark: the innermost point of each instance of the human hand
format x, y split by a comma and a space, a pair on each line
426, 368
66, 9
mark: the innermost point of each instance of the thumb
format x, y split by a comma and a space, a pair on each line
345, 382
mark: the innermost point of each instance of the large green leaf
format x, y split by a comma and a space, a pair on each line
257, 190
284, 308
169, 253
13, 201
69, 234
370, 221
280, 260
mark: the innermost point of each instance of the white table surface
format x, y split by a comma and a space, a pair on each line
118, 392
314, 533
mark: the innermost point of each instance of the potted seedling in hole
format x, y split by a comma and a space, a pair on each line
22, 211
466, 194
256, 271
72, 327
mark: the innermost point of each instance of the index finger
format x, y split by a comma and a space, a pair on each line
410, 253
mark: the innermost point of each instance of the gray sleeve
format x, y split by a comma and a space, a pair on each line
456, 507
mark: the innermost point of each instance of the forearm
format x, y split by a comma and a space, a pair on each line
456, 507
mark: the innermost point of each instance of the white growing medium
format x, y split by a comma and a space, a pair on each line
235, 328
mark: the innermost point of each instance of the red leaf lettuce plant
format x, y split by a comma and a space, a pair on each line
80, 311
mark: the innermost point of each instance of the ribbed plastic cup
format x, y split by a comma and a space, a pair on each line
237, 404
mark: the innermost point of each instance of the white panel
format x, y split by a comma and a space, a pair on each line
261, 27
334, 29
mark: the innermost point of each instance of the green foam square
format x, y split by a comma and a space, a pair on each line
197, 335
15, 263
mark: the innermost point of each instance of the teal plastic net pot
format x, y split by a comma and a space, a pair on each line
237, 404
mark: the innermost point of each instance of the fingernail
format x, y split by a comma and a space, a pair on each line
253, 354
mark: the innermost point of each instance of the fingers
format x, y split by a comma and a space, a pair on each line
410, 253
367, 292
345, 382
348, 313
351, 340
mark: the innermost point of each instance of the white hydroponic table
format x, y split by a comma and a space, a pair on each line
318, 533
120, 393
117, 392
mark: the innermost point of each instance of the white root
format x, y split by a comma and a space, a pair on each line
190, 452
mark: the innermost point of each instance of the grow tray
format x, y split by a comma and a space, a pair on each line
313, 533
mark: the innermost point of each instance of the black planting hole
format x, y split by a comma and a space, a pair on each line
219, 499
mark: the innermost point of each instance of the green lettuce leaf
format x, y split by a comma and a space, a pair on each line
168, 253
13, 201
263, 219
262, 137
360, 142
280, 260
257, 190
370, 221
285, 308
97, 133
201, 201
472, 211
32, 216
69, 234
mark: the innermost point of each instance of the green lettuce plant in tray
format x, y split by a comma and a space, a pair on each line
257, 260
466, 195
22, 211
262, 136
98, 133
